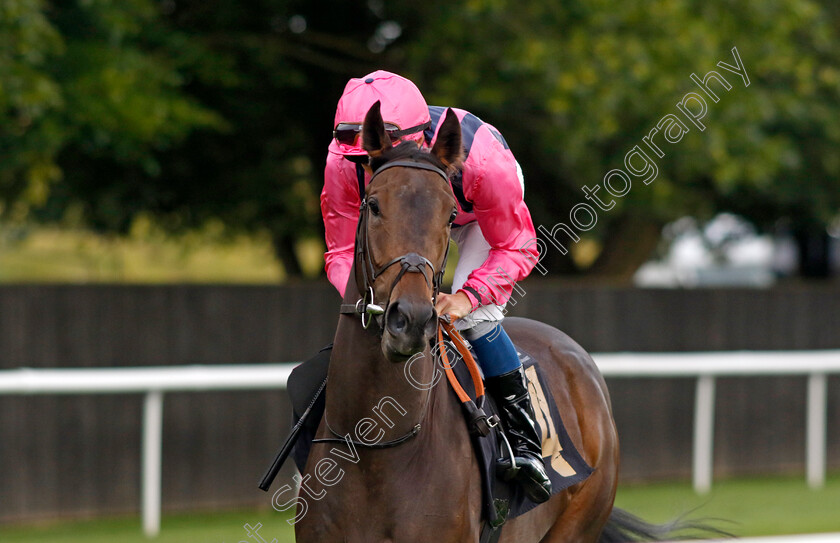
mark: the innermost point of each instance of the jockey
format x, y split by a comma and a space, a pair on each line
492, 229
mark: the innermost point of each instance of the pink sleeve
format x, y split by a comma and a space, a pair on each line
340, 209
496, 192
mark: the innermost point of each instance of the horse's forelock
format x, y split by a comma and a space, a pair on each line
406, 151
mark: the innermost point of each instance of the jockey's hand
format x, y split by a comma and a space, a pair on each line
455, 305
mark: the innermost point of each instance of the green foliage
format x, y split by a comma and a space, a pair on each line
189, 113
574, 86
192, 111
28, 97
86, 78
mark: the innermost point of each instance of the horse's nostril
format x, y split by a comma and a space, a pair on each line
396, 319
431, 324
404, 317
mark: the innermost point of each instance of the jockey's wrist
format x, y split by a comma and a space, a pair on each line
472, 296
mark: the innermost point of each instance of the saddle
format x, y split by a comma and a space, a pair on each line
501, 500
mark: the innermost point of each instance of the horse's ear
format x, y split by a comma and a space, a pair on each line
448, 146
374, 139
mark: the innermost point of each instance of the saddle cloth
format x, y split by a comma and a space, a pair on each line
501, 500
564, 464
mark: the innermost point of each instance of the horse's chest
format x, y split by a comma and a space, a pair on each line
414, 504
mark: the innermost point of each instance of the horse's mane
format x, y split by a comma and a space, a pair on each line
406, 151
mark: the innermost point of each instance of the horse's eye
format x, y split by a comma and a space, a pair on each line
453, 216
374, 207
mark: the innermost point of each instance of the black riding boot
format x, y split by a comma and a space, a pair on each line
510, 391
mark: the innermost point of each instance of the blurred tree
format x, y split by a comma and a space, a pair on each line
81, 83
186, 111
190, 110
27, 95
287, 63
574, 86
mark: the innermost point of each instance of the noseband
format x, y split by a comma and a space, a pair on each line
409, 262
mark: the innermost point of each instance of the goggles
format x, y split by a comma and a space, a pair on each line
347, 134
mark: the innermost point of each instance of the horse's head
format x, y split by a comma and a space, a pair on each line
403, 233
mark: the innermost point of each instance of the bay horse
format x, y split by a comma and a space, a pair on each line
395, 461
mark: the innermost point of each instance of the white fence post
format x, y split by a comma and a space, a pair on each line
152, 452
816, 428
704, 430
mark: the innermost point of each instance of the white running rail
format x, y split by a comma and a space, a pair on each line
153, 382
816, 365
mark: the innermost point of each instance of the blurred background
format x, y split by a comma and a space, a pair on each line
160, 166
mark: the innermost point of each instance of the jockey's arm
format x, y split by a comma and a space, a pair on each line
340, 209
497, 194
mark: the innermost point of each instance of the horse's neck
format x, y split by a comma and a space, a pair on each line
364, 384
369, 397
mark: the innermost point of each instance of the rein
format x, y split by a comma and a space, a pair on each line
463, 350
478, 421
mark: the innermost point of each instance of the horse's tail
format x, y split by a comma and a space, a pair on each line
623, 527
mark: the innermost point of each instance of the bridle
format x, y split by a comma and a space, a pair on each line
365, 306
409, 262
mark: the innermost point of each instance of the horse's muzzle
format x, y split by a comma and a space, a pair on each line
408, 328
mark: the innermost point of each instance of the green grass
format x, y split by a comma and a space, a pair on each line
225, 527
750, 507
753, 507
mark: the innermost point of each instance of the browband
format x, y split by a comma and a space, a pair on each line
410, 164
